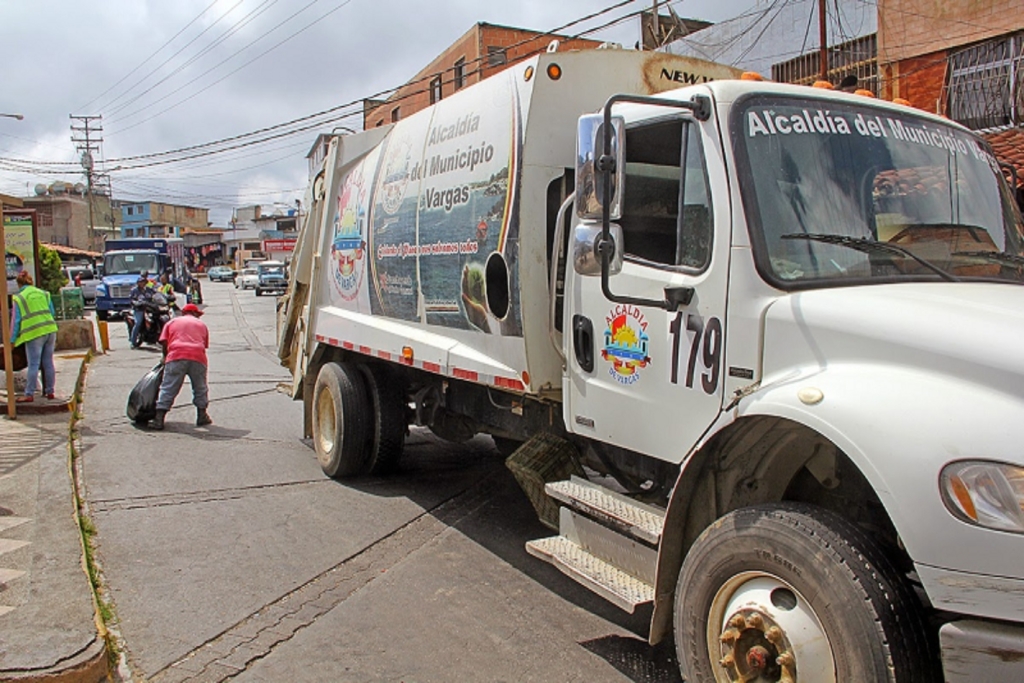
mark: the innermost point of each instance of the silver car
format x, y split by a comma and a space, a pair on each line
83, 277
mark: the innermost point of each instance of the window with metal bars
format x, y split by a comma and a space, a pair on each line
986, 83
460, 73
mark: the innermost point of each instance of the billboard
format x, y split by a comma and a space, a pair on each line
20, 245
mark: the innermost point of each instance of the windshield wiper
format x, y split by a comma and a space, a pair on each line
997, 256
870, 246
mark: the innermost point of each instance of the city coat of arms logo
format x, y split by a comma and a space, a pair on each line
625, 344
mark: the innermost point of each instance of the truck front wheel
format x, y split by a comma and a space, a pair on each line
793, 592
341, 420
102, 315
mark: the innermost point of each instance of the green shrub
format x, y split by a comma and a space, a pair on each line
51, 277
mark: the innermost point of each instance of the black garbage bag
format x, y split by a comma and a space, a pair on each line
142, 399
19, 359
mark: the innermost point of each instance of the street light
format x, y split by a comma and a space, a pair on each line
20, 117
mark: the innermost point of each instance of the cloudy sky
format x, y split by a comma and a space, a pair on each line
168, 75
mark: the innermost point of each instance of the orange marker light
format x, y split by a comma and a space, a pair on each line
554, 72
900, 100
863, 93
963, 497
526, 378
528, 74
825, 85
407, 354
751, 76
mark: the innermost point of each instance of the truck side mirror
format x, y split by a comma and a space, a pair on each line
590, 166
586, 245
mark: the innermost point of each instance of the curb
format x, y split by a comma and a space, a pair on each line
91, 664
87, 666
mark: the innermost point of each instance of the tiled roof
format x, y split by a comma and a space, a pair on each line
1009, 148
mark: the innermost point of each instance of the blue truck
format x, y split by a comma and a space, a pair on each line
125, 259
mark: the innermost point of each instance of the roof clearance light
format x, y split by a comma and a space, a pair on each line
825, 85
863, 93
528, 74
751, 76
554, 72
900, 100
987, 494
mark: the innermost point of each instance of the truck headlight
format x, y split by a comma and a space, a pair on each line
989, 494
101, 290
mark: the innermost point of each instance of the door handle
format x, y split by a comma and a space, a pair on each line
583, 342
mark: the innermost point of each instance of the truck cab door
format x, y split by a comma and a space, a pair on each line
643, 377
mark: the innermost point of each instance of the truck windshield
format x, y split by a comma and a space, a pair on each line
838, 192
272, 270
124, 264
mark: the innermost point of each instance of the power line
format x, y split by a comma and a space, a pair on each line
229, 58
172, 39
237, 26
311, 121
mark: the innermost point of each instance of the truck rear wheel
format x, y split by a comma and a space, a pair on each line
341, 420
792, 592
387, 397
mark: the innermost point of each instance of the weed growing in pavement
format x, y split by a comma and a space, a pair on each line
107, 616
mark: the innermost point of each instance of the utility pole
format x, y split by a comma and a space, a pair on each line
656, 24
88, 141
823, 40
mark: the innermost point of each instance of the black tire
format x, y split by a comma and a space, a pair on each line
387, 396
341, 421
783, 562
259, 292
102, 315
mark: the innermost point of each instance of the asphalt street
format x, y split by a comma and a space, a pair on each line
229, 555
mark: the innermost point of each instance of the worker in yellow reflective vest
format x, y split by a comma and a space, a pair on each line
34, 326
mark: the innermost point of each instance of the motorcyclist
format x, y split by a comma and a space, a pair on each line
141, 293
167, 288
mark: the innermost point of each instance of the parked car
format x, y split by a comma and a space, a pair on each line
247, 279
83, 277
221, 274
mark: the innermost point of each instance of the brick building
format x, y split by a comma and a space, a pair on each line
62, 217
959, 59
483, 50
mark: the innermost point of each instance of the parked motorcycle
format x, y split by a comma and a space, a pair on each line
155, 313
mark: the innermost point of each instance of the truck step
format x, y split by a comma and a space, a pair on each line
627, 516
611, 583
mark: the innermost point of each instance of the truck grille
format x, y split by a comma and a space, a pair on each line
120, 291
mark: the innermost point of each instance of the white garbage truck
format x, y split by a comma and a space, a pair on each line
753, 350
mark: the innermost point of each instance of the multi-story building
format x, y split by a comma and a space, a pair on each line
155, 219
964, 60
256, 235
484, 49
63, 217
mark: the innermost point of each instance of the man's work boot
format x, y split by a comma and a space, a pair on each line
203, 418
158, 421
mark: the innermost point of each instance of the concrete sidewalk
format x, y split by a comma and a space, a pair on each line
48, 625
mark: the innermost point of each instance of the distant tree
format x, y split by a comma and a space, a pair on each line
51, 277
